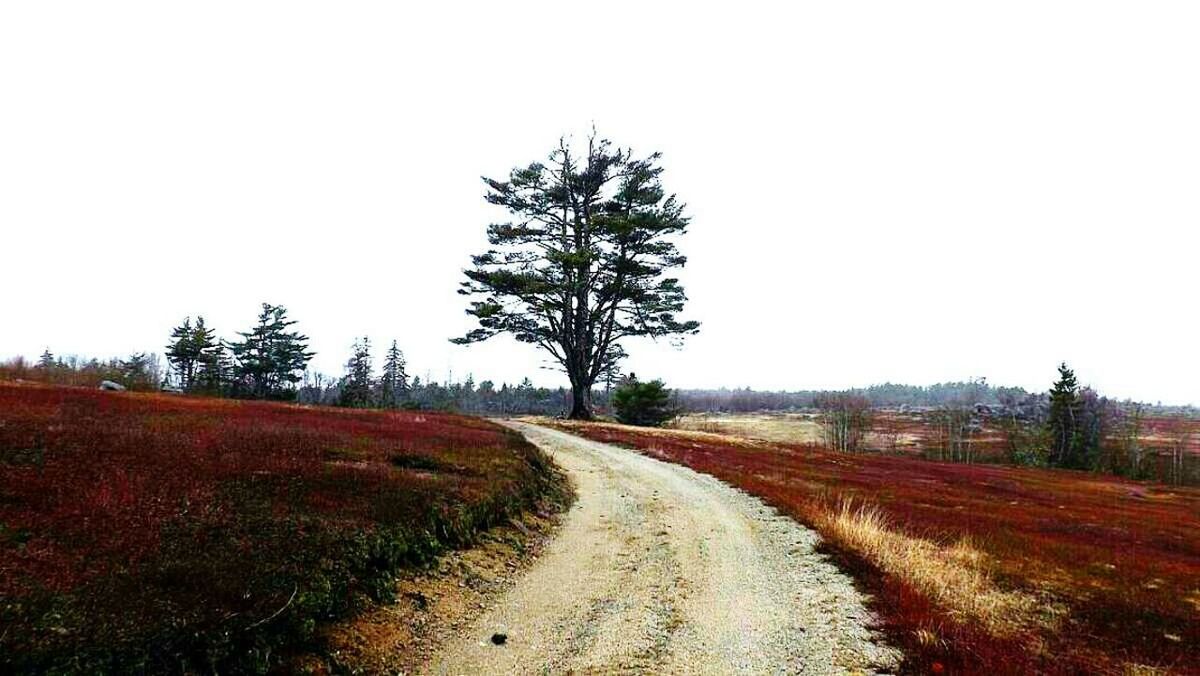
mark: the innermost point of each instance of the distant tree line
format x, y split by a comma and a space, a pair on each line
747, 400
1069, 427
270, 361
361, 386
139, 371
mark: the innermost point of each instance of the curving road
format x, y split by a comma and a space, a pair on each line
658, 568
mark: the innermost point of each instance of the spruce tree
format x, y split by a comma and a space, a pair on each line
46, 361
357, 383
647, 404
185, 350
1063, 421
393, 385
137, 372
270, 357
215, 370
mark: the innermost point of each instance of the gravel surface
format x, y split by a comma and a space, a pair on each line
658, 568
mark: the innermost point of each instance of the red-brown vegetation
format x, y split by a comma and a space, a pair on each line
159, 533
1112, 566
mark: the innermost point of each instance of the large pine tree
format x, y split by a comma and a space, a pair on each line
584, 262
270, 357
1063, 421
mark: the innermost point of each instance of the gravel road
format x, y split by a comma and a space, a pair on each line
658, 568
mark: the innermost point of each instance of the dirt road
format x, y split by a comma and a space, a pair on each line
658, 568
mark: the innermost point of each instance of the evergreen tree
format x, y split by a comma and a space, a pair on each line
215, 370
182, 354
393, 385
357, 384
46, 361
270, 357
584, 262
139, 371
1063, 420
647, 404
198, 358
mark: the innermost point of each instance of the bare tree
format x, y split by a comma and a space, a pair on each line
1179, 436
955, 429
845, 420
1127, 454
956, 424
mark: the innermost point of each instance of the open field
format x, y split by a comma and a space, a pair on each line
169, 534
792, 428
912, 432
977, 567
892, 431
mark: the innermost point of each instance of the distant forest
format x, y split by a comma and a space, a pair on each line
889, 394
270, 361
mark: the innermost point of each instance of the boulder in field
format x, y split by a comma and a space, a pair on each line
110, 386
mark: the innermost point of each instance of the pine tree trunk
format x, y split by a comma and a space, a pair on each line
581, 401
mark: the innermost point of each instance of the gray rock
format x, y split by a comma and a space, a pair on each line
111, 386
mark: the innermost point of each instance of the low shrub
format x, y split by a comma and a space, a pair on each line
646, 404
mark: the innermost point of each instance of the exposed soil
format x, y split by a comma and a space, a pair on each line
432, 606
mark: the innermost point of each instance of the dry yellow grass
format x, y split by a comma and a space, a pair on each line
786, 428
778, 428
954, 576
1132, 669
672, 433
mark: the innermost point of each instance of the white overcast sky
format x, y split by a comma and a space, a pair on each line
889, 191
